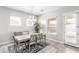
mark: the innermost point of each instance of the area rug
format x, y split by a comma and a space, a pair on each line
33, 48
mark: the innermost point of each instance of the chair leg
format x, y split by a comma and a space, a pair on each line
36, 45
15, 48
29, 47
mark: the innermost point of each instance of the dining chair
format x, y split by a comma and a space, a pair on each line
33, 40
39, 38
19, 45
44, 38
15, 44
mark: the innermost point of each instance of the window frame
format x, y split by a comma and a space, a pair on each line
49, 26
15, 21
31, 21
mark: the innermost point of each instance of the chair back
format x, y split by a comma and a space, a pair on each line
39, 36
44, 36
33, 38
17, 33
15, 41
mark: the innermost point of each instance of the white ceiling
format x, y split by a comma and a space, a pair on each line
35, 10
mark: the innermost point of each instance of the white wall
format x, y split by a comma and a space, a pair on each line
6, 30
59, 13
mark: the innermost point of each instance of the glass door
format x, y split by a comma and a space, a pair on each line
70, 28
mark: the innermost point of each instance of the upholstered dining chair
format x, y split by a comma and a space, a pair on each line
19, 45
39, 37
44, 38
15, 44
33, 40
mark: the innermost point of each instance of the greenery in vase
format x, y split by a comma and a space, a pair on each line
37, 27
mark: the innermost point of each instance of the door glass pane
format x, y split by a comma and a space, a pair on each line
70, 28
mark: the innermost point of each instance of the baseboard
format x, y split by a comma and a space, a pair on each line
4, 43
56, 41
75, 45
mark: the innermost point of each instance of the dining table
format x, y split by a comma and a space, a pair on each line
25, 39
21, 38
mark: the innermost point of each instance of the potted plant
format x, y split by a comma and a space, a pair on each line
36, 27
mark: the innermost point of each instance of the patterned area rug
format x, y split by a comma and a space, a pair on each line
33, 48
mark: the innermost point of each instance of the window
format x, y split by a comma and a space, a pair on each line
30, 21
52, 25
42, 25
43, 22
15, 21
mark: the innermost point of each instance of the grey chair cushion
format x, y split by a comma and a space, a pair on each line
17, 33
21, 33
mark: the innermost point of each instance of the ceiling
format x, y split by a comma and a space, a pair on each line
35, 10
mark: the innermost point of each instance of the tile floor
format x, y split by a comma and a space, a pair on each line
53, 47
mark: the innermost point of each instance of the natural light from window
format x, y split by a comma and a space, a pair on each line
30, 21
42, 25
15, 21
52, 25
70, 28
